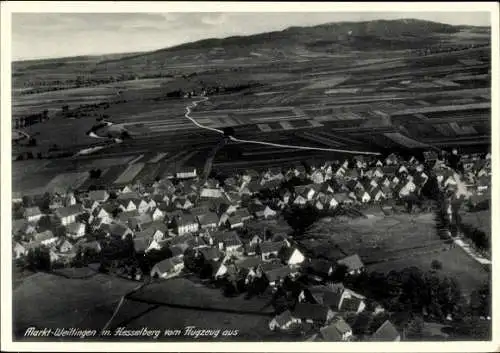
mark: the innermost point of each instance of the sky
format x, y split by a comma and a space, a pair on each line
50, 35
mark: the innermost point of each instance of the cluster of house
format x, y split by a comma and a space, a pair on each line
208, 219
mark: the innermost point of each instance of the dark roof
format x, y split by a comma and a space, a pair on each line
321, 267
283, 318
208, 218
32, 211
167, 264
332, 299
18, 225
280, 272
97, 195
129, 196
227, 238
69, 211
271, 246
335, 330
185, 219
353, 262
316, 312
249, 262
210, 253
386, 332
117, 229
141, 244
351, 304
157, 225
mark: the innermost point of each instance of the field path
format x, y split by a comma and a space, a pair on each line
204, 99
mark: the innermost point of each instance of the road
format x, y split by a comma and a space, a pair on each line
232, 138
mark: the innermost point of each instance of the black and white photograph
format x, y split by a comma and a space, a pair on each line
229, 176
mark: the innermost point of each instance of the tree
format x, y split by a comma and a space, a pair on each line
436, 265
415, 327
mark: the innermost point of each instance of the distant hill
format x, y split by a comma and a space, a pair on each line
293, 43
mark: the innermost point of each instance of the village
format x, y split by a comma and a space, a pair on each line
180, 226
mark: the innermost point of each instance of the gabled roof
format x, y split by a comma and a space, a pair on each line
280, 272
332, 298
353, 262
74, 227
320, 266
116, 229
98, 195
316, 312
271, 246
351, 304
141, 244
129, 196
335, 330
283, 318
39, 237
210, 253
72, 210
18, 225
386, 332
167, 264
32, 211
227, 238
249, 262
208, 218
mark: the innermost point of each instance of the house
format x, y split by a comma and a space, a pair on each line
89, 205
362, 196
98, 196
127, 205
276, 273
18, 250
342, 198
209, 254
321, 268
186, 173
46, 238
386, 333
211, 193
142, 205
353, 263
92, 246
238, 218
75, 230
151, 233
377, 195
183, 203
317, 177
337, 331
283, 321
185, 223
70, 199
139, 222
117, 230
313, 313
208, 220
391, 159
65, 246
32, 214
407, 188
157, 215
353, 304
68, 214
269, 250
292, 256
229, 242
105, 213
300, 200
167, 268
